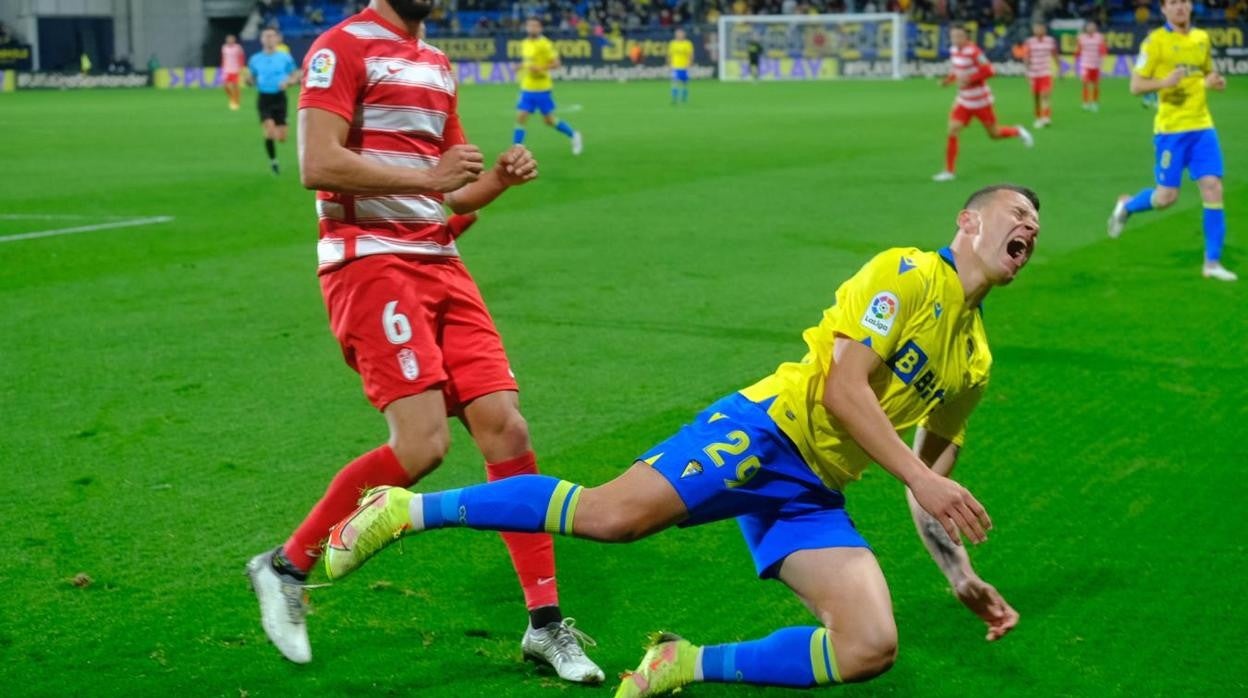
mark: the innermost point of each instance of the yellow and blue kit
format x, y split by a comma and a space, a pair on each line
1185, 137
773, 457
680, 56
536, 55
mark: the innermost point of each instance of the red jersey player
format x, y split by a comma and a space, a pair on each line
1039, 50
233, 58
1092, 50
970, 68
380, 139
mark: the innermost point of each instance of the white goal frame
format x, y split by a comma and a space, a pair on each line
726, 22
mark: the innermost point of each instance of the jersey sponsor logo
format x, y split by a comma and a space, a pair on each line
408, 364
908, 361
908, 364
881, 313
937, 309
321, 69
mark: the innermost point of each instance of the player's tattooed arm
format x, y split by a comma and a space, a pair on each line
939, 454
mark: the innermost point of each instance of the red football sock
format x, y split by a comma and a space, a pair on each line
951, 153
532, 554
1048, 112
375, 468
1009, 131
1096, 92
1085, 93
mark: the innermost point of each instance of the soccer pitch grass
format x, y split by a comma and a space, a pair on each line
173, 400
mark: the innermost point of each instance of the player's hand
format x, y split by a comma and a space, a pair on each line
1215, 81
984, 601
1174, 77
953, 506
516, 166
460, 165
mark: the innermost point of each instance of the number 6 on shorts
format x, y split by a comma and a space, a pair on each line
398, 329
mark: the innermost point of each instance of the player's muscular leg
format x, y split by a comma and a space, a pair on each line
1210, 189
497, 426
522, 117
955, 127
639, 503
550, 119
1164, 197
845, 589
419, 436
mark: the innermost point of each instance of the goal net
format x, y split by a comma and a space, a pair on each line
812, 47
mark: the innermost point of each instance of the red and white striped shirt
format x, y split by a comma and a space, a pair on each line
1040, 52
400, 97
1092, 49
971, 63
233, 58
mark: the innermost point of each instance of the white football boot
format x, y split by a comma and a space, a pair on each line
1118, 219
1025, 136
1215, 270
282, 608
944, 176
578, 143
559, 645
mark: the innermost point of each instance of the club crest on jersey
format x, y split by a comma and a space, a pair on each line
691, 469
321, 69
881, 312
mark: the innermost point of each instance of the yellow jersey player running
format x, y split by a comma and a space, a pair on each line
680, 55
1176, 63
903, 345
537, 58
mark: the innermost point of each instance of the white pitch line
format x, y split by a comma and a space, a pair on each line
86, 228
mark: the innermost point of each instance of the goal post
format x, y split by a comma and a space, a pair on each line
813, 47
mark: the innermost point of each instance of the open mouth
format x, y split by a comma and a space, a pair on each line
1018, 250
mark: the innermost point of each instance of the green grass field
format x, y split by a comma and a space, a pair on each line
173, 401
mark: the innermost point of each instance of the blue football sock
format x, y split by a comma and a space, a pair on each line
675, 94
1141, 202
797, 657
524, 503
1214, 220
684, 94
517, 137
564, 128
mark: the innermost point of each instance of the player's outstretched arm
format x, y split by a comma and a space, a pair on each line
326, 164
514, 167
848, 397
977, 595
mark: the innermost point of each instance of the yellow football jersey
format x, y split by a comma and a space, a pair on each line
535, 56
1183, 107
907, 306
680, 53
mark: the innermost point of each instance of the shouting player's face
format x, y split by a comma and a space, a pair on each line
412, 10
1004, 232
1177, 12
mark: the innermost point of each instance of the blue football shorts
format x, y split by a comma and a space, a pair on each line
1197, 152
733, 461
540, 102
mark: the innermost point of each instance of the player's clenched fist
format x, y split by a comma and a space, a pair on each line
460, 165
516, 166
953, 506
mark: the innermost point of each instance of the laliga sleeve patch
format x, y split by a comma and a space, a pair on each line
321, 69
881, 312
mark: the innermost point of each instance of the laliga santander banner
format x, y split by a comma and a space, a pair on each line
819, 53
